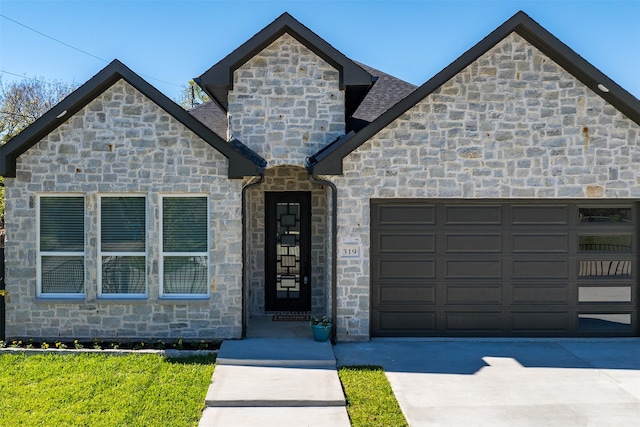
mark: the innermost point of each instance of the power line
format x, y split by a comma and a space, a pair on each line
53, 38
77, 49
66, 85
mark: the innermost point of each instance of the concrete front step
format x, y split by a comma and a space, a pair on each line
290, 352
264, 386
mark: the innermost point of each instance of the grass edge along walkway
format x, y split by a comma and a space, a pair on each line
370, 399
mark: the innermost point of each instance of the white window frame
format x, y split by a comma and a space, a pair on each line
164, 254
102, 253
40, 254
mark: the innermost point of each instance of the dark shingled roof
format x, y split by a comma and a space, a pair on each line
212, 116
385, 93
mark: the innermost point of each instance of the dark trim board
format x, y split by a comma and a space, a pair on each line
504, 268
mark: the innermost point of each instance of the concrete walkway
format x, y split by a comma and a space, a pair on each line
508, 382
275, 382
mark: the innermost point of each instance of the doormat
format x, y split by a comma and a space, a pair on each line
290, 317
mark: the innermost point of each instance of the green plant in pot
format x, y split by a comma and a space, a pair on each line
321, 328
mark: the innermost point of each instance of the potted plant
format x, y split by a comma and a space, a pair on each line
321, 328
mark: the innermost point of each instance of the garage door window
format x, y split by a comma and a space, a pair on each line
604, 322
615, 215
609, 243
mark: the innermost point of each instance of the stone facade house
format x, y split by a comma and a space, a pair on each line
500, 198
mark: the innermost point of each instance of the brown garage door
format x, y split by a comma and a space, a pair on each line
526, 268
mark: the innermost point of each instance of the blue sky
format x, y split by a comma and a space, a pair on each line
170, 42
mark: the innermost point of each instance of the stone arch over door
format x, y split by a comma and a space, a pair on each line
286, 179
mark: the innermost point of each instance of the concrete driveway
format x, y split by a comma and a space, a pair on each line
494, 382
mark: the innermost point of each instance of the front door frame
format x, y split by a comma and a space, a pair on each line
303, 302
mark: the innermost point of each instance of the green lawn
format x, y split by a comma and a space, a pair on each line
147, 390
102, 390
370, 400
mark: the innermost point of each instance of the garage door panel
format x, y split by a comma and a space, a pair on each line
473, 243
540, 269
473, 214
405, 269
473, 268
405, 214
540, 243
405, 242
473, 321
406, 323
414, 293
540, 293
535, 321
473, 294
540, 214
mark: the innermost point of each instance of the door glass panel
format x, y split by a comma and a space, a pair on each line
604, 294
287, 250
617, 215
604, 268
594, 322
609, 243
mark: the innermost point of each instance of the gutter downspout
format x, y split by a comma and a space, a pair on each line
334, 251
244, 248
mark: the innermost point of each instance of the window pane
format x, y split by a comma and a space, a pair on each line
62, 224
604, 294
185, 275
604, 322
62, 274
605, 243
604, 268
184, 227
123, 275
605, 215
123, 224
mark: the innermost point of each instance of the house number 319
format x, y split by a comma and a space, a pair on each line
350, 251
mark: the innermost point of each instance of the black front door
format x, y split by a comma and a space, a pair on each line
288, 251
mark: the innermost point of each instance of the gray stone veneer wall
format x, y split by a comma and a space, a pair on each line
286, 103
511, 125
123, 143
287, 178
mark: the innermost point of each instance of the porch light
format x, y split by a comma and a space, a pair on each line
603, 88
61, 115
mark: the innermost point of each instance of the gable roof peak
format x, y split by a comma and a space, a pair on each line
328, 161
217, 81
241, 162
